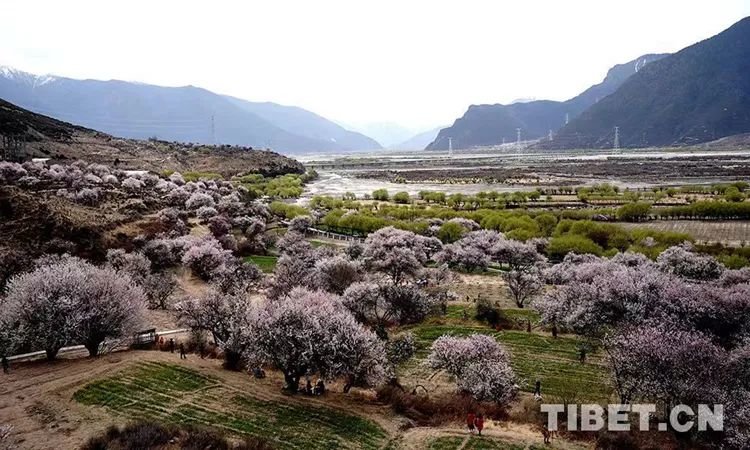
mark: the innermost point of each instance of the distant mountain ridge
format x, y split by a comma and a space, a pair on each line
419, 141
183, 114
484, 125
698, 94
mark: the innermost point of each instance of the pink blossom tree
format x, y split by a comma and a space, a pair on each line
383, 305
206, 257
311, 333
479, 363
523, 285
681, 261
226, 316
397, 254
72, 301
336, 273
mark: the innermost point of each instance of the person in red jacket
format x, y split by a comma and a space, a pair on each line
470, 419
479, 423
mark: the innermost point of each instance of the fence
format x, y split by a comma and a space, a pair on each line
78, 348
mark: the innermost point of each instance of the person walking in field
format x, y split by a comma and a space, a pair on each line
6, 365
171, 345
470, 419
479, 423
537, 390
183, 355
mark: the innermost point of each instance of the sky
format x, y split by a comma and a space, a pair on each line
416, 63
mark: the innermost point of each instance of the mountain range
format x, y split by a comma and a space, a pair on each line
484, 125
698, 94
184, 114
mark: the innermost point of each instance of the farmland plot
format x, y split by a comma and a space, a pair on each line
727, 232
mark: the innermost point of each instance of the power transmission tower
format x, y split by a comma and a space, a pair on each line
213, 131
518, 138
617, 138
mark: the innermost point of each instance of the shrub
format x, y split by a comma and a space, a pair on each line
380, 194
633, 212
450, 232
562, 245
401, 197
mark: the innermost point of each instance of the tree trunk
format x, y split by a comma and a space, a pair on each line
554, 331
232, 360
349, 384
51, 353
93, 347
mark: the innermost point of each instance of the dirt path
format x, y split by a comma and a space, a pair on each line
420, 437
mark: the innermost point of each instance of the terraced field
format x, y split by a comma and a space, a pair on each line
170, 393
533, 356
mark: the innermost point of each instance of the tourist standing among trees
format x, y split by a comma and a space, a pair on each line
479, 423
470, 418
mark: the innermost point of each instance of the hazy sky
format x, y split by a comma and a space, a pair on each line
419, 63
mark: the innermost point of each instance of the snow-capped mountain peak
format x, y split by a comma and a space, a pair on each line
12, 73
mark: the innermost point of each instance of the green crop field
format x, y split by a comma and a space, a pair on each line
266, 263
172, 394
534, 356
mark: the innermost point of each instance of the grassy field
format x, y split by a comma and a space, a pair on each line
477, 443
266, 263
730, 232
533, 355
169, 393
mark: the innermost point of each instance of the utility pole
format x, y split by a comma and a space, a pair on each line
213, 131
617, 138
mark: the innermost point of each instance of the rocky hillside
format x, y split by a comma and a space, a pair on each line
699, 94
484, 125
184, 114
45, 137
